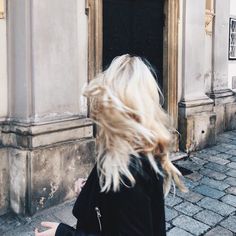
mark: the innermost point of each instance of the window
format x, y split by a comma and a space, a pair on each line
232, 39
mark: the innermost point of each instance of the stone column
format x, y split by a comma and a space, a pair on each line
4, 167
48, 135
3, 71
223, 97
196, 116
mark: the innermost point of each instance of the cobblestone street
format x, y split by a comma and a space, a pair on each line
209, 208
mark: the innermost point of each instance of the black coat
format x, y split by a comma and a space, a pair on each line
133, 211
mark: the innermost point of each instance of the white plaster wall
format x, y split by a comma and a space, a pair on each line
3, 69
59, 58
220, 45
83, 55
208, 63
232, 64
19, 58
193, 50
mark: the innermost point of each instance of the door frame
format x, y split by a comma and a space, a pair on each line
94, 10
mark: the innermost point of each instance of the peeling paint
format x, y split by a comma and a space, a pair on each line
41, 201
72, 165
53, 175
54, 188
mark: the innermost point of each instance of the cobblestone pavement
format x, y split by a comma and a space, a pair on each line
209, 208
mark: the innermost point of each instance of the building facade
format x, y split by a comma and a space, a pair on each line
50, 49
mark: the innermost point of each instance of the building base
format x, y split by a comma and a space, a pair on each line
40, 172
225, 109
196, 124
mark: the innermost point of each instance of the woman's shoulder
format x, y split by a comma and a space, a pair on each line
141, 163
142, 169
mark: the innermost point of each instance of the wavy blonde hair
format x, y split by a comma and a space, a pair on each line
125, 103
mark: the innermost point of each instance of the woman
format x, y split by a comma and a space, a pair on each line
124, 192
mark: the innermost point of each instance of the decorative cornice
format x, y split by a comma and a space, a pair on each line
26, 136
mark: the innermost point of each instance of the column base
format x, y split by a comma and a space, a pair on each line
230, 116
196, 124
225, 109
44, 162
4, 181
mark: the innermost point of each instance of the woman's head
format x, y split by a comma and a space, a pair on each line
125, 103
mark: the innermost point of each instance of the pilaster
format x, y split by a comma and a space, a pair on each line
3, 70
223, 97
196, 116
47, 139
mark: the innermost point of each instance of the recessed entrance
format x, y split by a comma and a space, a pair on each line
139, 26
134, 27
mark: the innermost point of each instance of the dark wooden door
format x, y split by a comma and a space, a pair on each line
135, 27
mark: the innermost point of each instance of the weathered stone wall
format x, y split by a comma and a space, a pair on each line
197, 131
224, 107
54, 171
40, 163
230, 116
4, 181
33, 180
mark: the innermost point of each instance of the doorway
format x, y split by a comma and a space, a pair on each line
166, 34
134, 27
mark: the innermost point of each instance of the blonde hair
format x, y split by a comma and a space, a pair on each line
125, 103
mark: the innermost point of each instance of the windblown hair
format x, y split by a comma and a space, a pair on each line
125, 103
